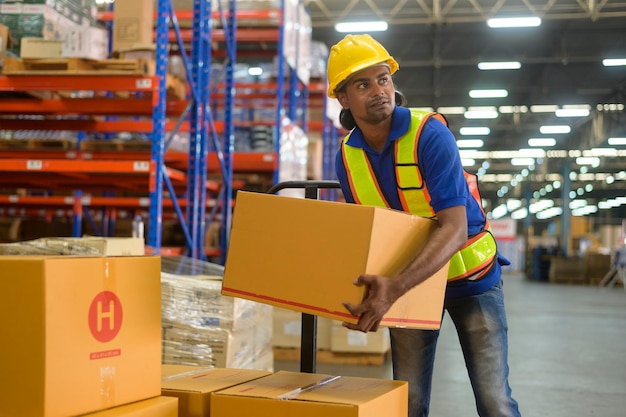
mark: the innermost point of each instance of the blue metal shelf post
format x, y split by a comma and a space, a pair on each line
158, 129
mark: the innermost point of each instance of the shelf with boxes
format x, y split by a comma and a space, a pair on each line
207, 137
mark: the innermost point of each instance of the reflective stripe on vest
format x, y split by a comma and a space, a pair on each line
479, 253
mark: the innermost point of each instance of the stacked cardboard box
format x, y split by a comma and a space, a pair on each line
72, 23
202, 327
82, 334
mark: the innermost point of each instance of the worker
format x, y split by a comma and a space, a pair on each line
407, 159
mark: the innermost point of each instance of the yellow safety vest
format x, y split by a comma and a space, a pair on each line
479, 253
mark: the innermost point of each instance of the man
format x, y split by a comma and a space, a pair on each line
408, 160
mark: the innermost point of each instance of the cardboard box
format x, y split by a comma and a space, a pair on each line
85, 333
85, 42
345, 340
40, 48
133, 24
153, 407
277, 395
287, 329
5, 41
193, 386
304, 255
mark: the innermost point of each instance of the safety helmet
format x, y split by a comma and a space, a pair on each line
352, 54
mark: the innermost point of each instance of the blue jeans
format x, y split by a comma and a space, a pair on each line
480, 322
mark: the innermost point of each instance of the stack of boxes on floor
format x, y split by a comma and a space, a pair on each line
201, 327
54, 28
84, 338
331, 336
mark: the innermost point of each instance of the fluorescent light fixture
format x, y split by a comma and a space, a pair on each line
614, 62
451, 110
544, 108
503, 65
551, 212
467, 162
540, 205
555, 129
513, 109
513, 22
255, 70
513, 204
522, 161
520, 214
499, 211
353, 27
428, 109
541, 142
497, 93
611, 152
481, 112
572, 113
588, 160
617, 141
480, 131
470, 143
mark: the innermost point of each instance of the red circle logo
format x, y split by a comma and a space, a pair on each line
105, 316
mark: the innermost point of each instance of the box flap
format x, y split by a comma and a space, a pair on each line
204, 380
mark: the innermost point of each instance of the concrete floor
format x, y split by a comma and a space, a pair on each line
567, 354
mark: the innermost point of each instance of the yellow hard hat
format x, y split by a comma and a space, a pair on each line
352, 54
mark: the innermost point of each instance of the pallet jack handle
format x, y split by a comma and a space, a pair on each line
308, 336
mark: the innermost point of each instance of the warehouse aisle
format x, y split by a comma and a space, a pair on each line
567, 354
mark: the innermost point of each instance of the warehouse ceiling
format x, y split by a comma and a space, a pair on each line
438, 45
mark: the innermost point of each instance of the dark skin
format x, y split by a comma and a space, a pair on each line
370, 96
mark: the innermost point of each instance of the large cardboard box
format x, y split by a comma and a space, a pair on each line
80, 334
304, 255
308, 395
153, 407
133, 24
193, 386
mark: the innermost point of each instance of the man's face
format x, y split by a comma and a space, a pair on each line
369, 94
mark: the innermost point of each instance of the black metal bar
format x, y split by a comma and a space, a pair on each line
308, 337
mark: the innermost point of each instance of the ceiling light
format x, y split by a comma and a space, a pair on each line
610, 152
513, 22
483, 112
617, 141
451, 110
470, 143
571, 113
503, 65
520, 214
353, 27
488, 93
522, 161
555, 129
589, 160
513, 109
467, 162
255, 71
544, 108
481, 131
614, 62
541, 142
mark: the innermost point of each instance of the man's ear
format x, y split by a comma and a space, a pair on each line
343, 100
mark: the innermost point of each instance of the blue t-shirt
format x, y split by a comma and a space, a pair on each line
440, 164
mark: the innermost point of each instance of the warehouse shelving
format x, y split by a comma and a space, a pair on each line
150, 111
